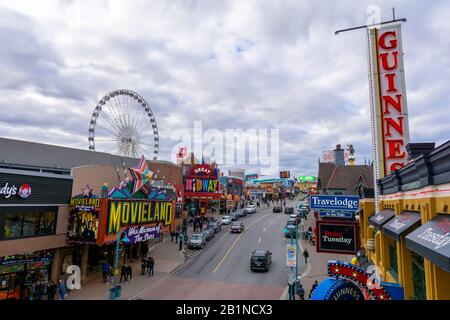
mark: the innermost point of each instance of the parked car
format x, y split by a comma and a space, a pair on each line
289, 210
234, 216
289, 231
296, 217
215, 225
251, 208
260, 260
237, 227
277, 209
241, 213
197, 241
226, 220
209, 233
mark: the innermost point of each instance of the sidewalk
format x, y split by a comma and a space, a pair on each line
317, 262
167, 259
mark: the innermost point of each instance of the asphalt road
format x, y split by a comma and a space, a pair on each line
222, 269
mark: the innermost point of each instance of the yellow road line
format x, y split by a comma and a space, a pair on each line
234, 243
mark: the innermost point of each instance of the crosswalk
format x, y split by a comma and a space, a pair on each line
190, 254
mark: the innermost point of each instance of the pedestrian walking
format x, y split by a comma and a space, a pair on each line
130, 272
123, 274
186, 238
172, 235
181, 244
143, 265
150, 266
105, 269
314, 286
306, 255
300, 292
201, 225
51, 290
62, 289
177, 234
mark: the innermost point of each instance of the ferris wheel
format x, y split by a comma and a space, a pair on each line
123, 124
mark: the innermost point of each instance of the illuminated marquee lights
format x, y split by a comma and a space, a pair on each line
348, 271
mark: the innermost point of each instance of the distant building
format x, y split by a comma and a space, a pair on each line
342, 180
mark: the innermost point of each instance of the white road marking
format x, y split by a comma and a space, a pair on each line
264, 230
259, 241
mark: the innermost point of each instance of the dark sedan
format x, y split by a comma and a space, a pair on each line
289, 210
277, 209
260, 260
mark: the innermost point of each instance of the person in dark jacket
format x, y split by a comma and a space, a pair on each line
123, 273
300, 292
143, 265
306, 255
150, 266
105, 269
51, 291
130, 272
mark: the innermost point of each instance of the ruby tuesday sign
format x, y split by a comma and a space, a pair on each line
390, 96
7, 191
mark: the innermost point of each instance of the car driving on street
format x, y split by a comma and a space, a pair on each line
237, 227
295, 217
197, 241
261, 260
234, 216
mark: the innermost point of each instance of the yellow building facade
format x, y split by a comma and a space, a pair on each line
418, 256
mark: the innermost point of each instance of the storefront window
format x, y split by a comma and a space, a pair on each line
29, 224
418, 275
13, 225
30, 227
393, 261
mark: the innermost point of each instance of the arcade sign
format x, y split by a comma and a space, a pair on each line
201, 170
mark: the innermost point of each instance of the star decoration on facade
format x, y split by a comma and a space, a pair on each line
87, 191
141, 175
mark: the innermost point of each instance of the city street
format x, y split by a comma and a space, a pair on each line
222, 269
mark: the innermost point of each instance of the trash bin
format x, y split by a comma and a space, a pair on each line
112, 294
118, 291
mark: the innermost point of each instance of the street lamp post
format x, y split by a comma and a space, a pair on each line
116, 263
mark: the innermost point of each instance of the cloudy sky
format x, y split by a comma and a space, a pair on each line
230, 64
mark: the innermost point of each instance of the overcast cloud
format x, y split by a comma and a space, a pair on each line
231, 64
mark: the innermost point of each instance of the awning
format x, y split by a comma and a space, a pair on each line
432, 241
381, 218
401, 224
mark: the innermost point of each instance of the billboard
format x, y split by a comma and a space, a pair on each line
334, 203
83, 220
306, 178
291, 255
337, 237
285, 174
388, 106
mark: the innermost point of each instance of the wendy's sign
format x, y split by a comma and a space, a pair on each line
388, 95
